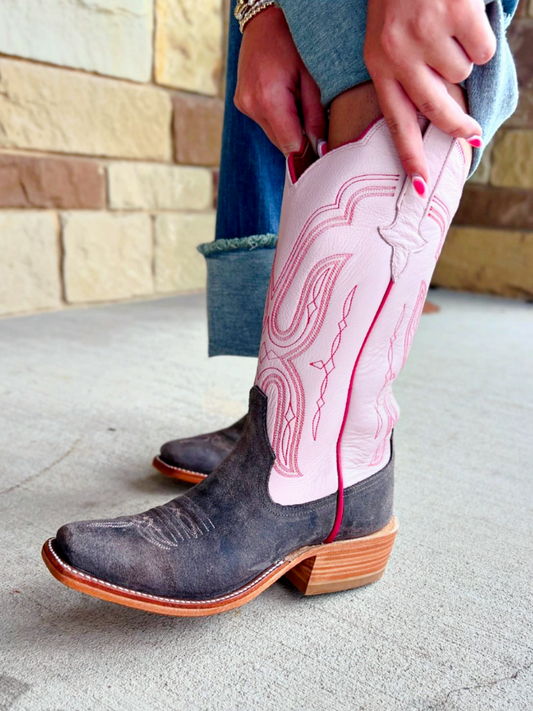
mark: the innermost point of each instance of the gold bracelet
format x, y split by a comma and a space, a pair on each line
246, 9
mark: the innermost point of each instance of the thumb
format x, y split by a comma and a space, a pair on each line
314, 114
285, 124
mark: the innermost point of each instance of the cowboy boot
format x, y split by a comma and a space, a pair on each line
307, 490
192, 459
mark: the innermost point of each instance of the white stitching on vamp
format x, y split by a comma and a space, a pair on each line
180, 469
157, 597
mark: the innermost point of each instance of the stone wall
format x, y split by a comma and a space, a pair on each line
110, 126
110, 123
490, 247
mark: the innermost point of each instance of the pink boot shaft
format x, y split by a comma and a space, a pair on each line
356, 251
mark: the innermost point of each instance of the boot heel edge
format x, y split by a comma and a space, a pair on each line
345, 565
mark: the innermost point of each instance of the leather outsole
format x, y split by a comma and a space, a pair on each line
177, 472
329, 567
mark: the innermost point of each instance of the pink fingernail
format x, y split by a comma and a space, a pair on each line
419, 184
475, 141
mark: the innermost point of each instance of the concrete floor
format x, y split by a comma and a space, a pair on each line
87, 396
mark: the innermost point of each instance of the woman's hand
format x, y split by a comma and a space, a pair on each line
412, 49
274, 88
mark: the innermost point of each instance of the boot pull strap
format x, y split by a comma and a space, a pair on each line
404, 234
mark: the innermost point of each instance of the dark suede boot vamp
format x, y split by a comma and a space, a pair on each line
223, 533
202, 453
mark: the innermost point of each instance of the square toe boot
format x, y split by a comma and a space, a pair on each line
307, 491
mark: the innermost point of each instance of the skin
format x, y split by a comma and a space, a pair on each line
273, 86
415, 52
355, 109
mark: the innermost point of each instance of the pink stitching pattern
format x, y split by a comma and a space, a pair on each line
329, 365
281, 345
385, 399
414, 320
436, 210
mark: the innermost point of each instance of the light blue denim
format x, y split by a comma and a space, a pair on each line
330, 38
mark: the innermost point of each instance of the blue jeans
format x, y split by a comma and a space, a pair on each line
239, 261
252, 170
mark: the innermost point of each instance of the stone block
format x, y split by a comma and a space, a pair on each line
148, 186
188, 45
29, 268
486, 206
48, 109
51, 182
482, 173
520, 35
197, 129
110, 37
512, 160
488, 261
107, 256
178, 266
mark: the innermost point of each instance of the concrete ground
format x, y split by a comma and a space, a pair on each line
87, 396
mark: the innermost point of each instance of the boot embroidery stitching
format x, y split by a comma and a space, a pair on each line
438, 207
165, 527
329, 365
277, 369
414, 320
384, 401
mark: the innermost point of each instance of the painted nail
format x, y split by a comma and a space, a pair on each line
419, 184
322, 147
475, 141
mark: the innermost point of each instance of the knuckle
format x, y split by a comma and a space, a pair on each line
391, 41
267, 97
287, 148
456, 132
373, 58
429, 108
409, 161
419, 27
314, 117
244, 101
458, 74
395, 127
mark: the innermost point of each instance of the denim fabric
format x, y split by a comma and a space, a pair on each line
252, 169
333, 54
252, 174
237, 283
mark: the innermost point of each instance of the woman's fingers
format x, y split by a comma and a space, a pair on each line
449, 59
401, 117
475, 35
314, 114
275, 110
428, 93
285, 122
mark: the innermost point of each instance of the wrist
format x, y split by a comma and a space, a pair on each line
247, 10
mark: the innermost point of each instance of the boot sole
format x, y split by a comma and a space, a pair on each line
177, 472
314, 570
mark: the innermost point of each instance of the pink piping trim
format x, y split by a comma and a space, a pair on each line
340, 496
290, 161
